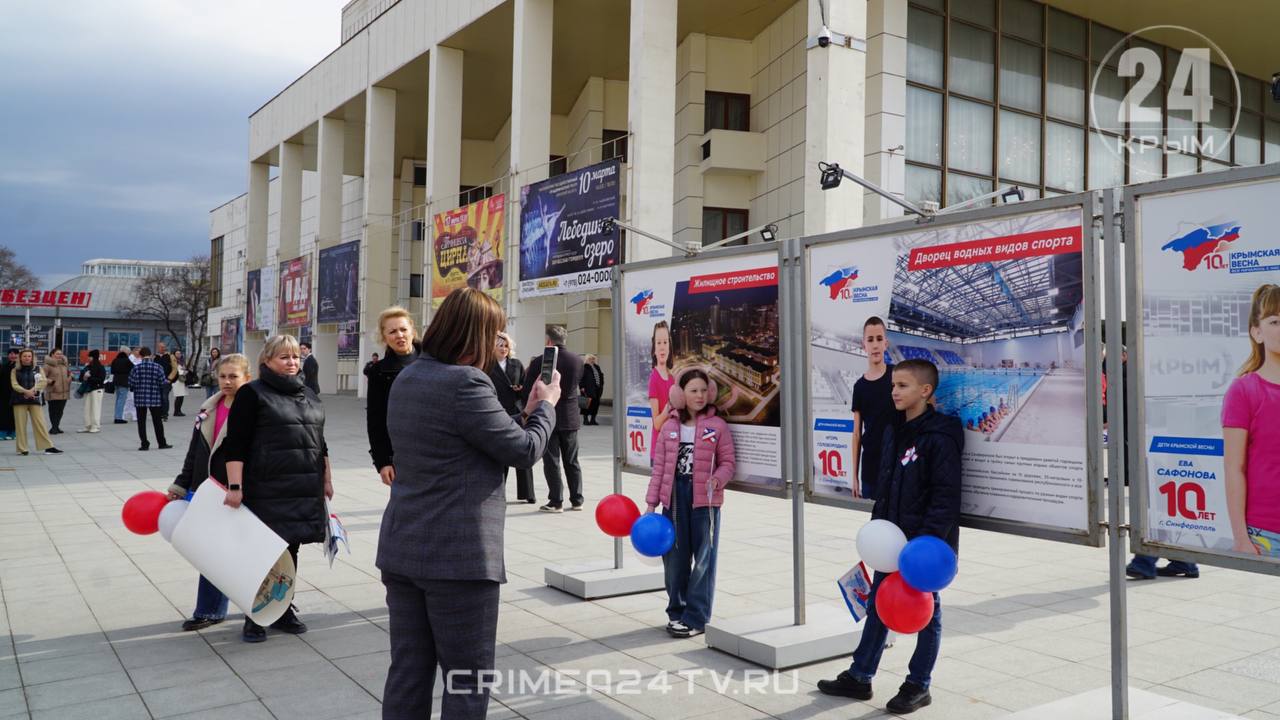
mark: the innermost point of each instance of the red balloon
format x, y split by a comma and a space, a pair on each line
616, 514
141, 513
902, 608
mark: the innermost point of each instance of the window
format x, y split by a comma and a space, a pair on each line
468, 194
119, 339
615, 145
720, 223
73, 342
559, 166
727, 111
215, 272
415, 285
419, 176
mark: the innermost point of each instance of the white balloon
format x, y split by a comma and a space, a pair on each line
169, 517
879, 544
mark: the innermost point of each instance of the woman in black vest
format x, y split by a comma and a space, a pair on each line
277, 460
507, 374
395, 327
25, 385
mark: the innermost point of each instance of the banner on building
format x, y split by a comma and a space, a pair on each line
295, 292
253, 300
339, 287
998, 307
719, 315
13, 297
564, 246
349, 340
232, 340
267, 301
468, 249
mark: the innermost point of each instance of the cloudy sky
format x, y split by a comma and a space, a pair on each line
123, 123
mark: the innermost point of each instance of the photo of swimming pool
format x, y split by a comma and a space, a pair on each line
969, 393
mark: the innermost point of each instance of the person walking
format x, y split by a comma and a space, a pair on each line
25, 386
165, 360
277, 460
310, 369
592, 389
209, 376
395, 328
507, 374
121, 366
93, 378
563, 446
179, 382
57, 388
440, 548
146, 383
6, 398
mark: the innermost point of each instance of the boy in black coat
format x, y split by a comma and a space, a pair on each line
919, 491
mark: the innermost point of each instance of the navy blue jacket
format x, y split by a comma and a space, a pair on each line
919, 484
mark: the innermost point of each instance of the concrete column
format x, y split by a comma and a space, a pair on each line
329, 156
444, 130
290, 200
886, 106
651, 110
256, 239
376, 269
835, 87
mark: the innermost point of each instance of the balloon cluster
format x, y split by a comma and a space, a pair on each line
652, 535
151, 511
916, 569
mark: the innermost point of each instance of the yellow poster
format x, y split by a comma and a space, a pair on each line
468, 249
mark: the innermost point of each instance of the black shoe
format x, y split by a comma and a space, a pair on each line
910, 698
531, 501
144, 447
1137, 574
253, 632
290, 623
55, 431
179, 414
845, 686
120, 422
1172, 570
165, 447
52, 451
199, 624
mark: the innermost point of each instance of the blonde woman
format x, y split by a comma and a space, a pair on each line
25, 385
507, 374
396, 332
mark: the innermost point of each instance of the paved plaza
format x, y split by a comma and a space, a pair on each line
89, 626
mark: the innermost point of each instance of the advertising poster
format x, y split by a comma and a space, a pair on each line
295, 292
564, 247
720, 315
231, 340
1211, 428
253, 300
339, 290
467, 249
349, 340
997, 307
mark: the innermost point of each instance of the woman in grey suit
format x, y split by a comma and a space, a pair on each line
441, 544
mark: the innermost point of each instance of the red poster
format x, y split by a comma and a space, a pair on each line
294, 296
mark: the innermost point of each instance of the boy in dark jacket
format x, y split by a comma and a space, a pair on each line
919, 491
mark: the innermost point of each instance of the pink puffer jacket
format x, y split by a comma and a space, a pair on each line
713, 460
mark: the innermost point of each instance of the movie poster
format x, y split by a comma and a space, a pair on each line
467, 249
232, 340
253, 300
339, 284
720, 315
997, 306
564, 245
349, 340
1206, 254
295, 292
267, 301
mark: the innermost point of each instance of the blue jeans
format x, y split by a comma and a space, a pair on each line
122, 397
691, 591
209, 391
1146, 565
211, 604
866, 658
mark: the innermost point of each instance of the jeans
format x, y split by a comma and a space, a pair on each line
156, 423
165, 390
209, 391
211, 604
122, 397
562, 444
690, 592
866, 658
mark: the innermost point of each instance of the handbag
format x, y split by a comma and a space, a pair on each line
584, 402
82, 389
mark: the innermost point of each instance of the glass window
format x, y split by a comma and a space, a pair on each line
727, 111
1220, 84
1066, 32
1106, 161
1145, 163
1211, 166
116, 340
1020, 147
73, 342
972, 61
415, 285
1248, 140
720, 223
1148, 118
924, 126
1250, 93
1023, 18
1108, 96
1182, 132
1180, 164
969, 136
932, 4
1216, 135
1066, 84
1104, 40
963, 187
1020, 75
614, 145
982, 12
923, 184
1064, 157
924, 47
1273, 142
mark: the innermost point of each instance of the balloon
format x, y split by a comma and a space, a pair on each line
927, 564
879, 544
615, 514
170, 516
902, 608
141, 512
653, 535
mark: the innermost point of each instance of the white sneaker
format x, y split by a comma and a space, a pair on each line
677, 629
550, 509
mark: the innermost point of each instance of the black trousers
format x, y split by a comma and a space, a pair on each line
524, 484
55, 413
164, 398
563, 444
450, 624
157, 422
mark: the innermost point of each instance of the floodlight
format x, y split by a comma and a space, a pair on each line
769, 233
831, 175
1013, 192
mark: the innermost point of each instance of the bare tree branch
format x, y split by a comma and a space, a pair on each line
14, 274
180, 301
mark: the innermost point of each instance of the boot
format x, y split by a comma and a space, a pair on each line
290, 623
253, 632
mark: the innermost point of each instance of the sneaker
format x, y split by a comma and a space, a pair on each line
845, 686
253, 632
120, 422
910, 698
83, 430
687, 632
94, 431
675, 628
24, 452
576, 508
550, 508
199, 623
1137, 574
290, 623
1178, 570
52, 451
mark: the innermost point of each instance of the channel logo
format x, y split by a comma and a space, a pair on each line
641, 300
1204, 245
839, 280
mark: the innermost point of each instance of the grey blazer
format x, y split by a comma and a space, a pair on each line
453, 441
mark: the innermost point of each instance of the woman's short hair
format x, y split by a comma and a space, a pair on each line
233, 359
465, 329
124, 350
277, 344
395, 311
510, 341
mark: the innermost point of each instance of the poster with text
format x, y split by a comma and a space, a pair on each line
349, 340
997, 306
295, 292
232, 341
339, 284
564, 246
720, 315
1211, 428
253, 300
467, 249
267, 301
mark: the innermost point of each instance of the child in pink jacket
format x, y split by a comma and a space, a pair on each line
692, 463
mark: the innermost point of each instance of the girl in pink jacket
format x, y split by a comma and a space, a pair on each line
692, 463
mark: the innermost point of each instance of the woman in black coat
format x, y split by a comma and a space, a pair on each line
277, 460
507, 374
121, 366
395, 328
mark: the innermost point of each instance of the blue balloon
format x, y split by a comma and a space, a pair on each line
653, 535
927, 564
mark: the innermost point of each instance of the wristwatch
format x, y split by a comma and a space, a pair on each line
233, 487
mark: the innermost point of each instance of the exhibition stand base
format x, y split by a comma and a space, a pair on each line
1143, 705
600, 579
773, 640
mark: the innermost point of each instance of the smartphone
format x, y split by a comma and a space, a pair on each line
549, 357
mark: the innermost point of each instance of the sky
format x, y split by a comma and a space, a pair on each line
123, 123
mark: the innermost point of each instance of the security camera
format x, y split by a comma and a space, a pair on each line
608, 225
824, 37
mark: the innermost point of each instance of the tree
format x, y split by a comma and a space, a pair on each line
179, 300
14, 274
